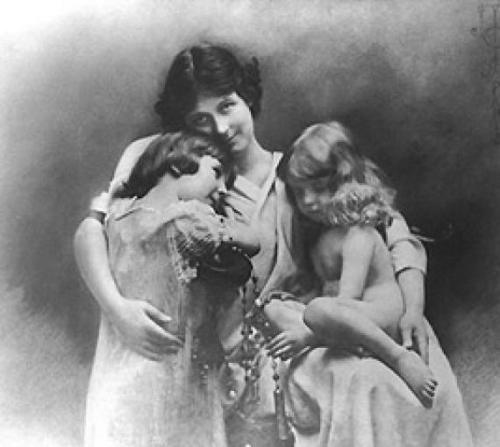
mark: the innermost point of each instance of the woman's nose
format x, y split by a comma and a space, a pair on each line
221, 125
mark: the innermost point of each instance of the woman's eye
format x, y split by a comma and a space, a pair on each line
226, 106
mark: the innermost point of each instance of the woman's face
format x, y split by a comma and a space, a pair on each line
206, 185
227, 116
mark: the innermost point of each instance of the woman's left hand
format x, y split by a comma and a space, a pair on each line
289, 343
414, 334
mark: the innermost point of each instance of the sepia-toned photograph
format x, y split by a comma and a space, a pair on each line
250, 223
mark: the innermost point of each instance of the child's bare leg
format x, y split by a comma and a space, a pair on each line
347, 323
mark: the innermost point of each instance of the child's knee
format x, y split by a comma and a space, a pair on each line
316, 314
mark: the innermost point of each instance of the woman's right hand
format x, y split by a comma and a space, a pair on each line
241, 234
140, 326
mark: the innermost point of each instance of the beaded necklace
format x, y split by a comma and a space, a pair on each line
256, 332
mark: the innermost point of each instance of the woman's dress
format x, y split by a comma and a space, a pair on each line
341, 400
333, 399
136, 402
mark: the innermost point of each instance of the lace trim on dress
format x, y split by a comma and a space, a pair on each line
192, 231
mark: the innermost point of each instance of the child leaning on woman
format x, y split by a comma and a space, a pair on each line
336, 188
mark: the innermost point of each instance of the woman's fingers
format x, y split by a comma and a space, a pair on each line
157, 334
406, 336
275, 341
288, 354
150, 355
422, 340
160, 337
279, 347
156, 315
276, 345
282, 352
173, 341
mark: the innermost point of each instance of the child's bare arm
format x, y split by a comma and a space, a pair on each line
357, 254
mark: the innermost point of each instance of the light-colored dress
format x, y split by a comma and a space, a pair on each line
136, 402
333, 399
341, 400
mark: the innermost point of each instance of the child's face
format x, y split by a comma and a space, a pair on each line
227, 116
311, 197
206, 185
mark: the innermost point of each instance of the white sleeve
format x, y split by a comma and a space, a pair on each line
406, 250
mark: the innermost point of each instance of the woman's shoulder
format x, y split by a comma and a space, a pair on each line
128, 159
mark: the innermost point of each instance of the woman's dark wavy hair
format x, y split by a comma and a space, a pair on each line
209, 69
177, 153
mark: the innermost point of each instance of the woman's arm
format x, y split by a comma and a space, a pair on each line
242, 235
412, 325
92, 259
138, 322
410, 262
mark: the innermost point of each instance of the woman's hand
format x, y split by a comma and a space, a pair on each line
414, 334
290, 342
140, 326
241, 234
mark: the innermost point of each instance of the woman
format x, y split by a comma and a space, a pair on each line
207, 89
159, 225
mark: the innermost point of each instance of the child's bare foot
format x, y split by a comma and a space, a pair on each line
417, 375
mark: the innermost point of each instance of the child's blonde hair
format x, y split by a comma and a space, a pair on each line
326, 152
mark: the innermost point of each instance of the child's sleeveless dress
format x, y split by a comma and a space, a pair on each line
136, 402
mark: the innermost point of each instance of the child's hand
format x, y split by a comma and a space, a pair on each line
414, 334
290, 342
139, 324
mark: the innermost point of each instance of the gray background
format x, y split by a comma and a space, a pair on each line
404, 75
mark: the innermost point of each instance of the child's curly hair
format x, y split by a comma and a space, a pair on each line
326, 153
358, 204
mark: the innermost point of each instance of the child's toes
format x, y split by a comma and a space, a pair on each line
427, 399
430, 391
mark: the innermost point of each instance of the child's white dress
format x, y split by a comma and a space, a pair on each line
136, 402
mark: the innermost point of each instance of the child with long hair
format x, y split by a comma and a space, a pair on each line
362, 304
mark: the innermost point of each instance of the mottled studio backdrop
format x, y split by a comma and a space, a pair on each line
413, 80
